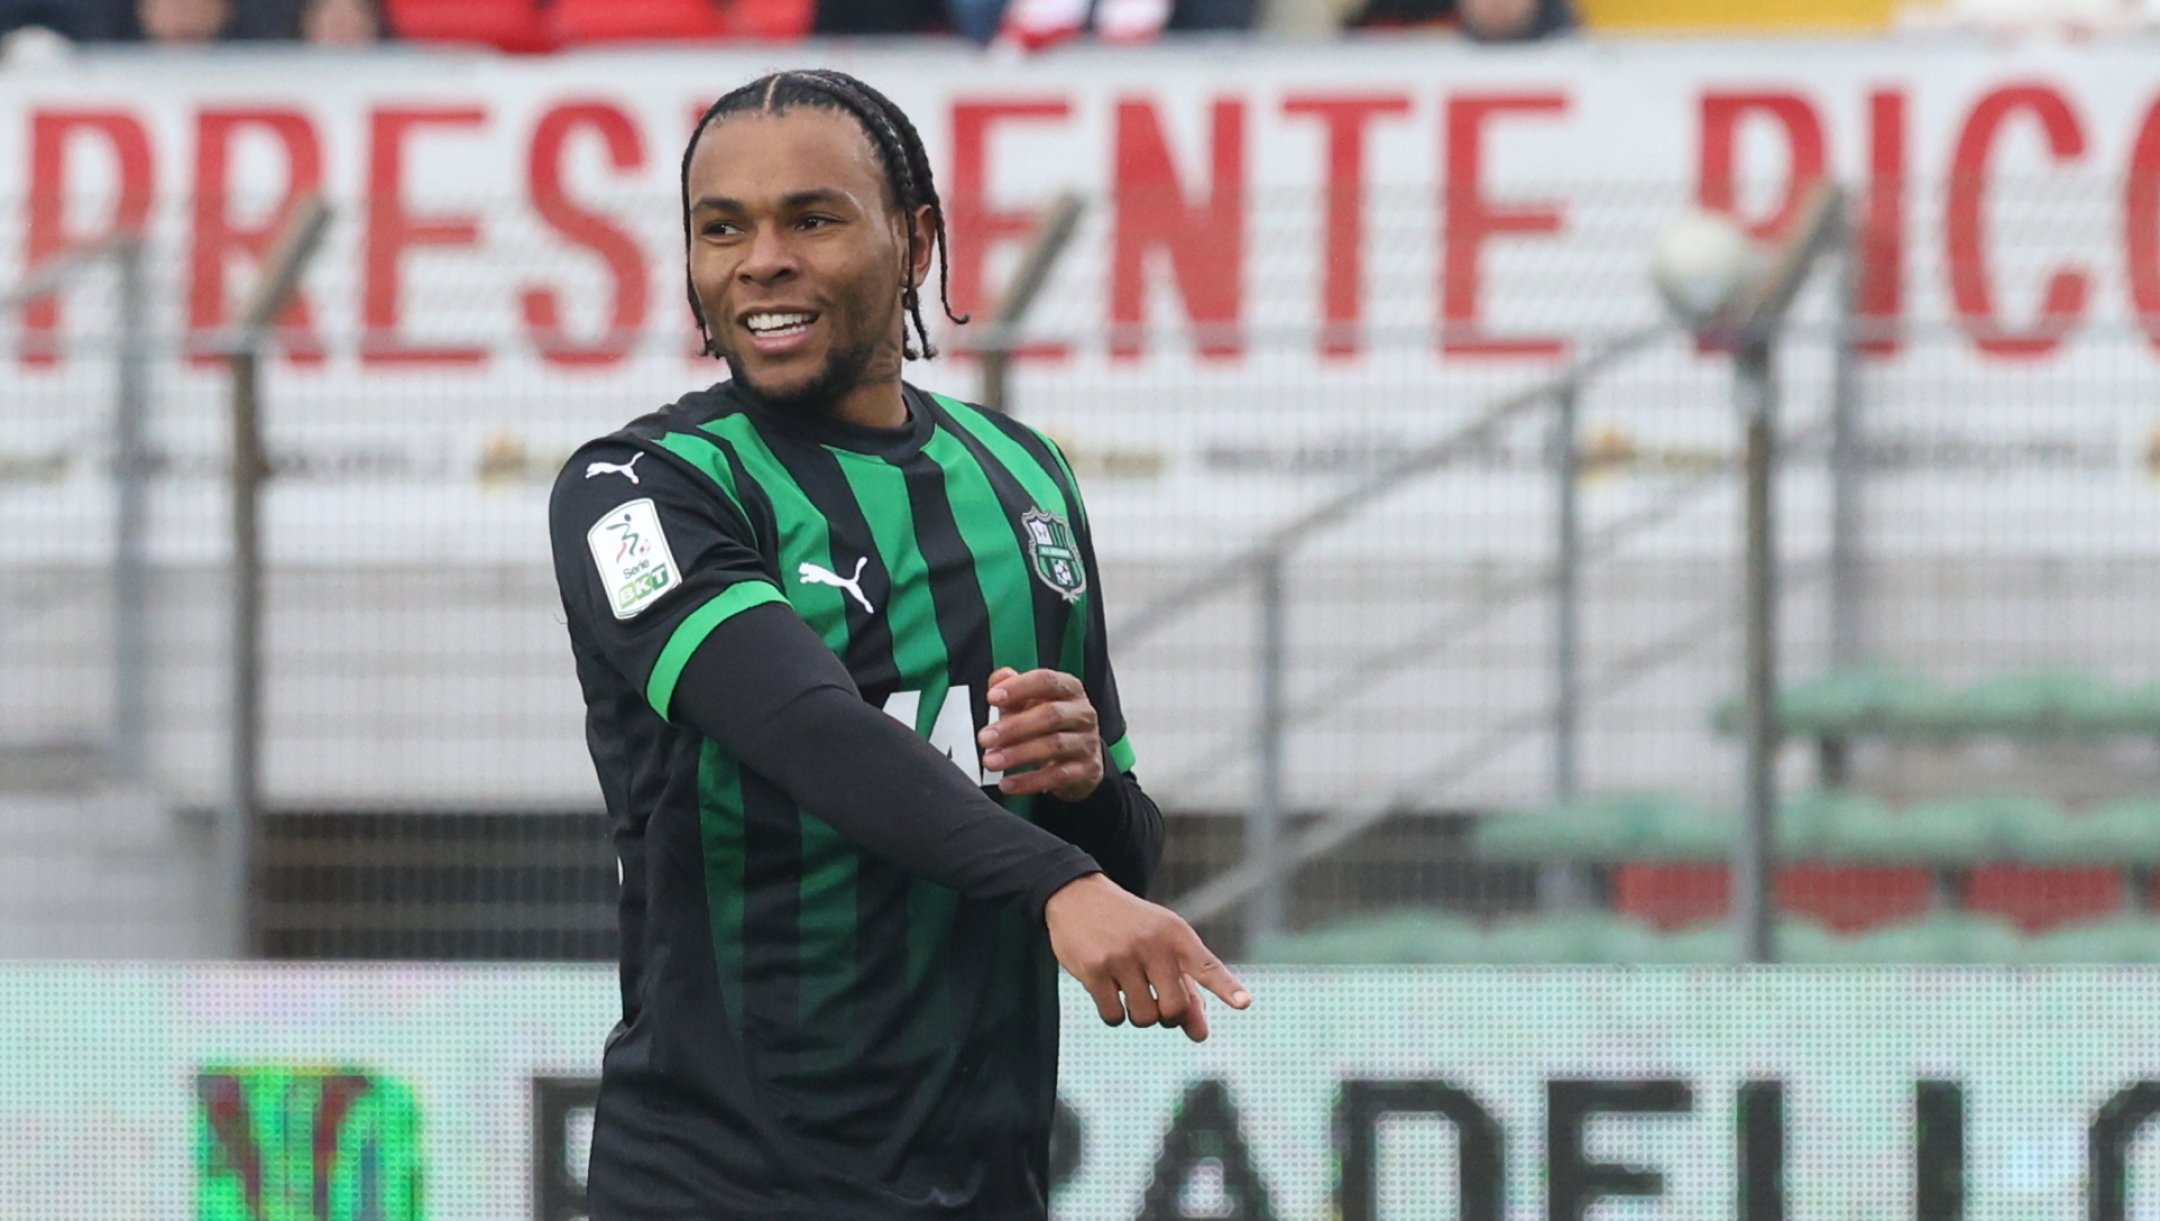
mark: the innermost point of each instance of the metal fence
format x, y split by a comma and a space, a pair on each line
423, 770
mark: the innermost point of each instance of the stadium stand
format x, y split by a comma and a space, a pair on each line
1869, 702
507, 25
1596, 939
604, 21
1854, 863
578, 21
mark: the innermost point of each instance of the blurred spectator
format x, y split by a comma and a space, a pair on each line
168, 21
183, 21
1034, 24
879, 17
1512, 20
341, 22
54, 15
1193, 15
1481, 20
81, 20
976, 20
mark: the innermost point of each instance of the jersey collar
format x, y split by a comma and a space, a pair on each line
891, 444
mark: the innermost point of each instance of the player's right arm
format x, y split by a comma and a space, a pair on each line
665, 580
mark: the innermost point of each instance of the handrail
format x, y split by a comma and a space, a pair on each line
1263, 561
1224, 890
1164, 609
125, 745
244, 343
1752, 322
1437, 634
1046, 245
289, 255
51, 275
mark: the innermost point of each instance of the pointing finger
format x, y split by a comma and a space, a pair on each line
1209, 972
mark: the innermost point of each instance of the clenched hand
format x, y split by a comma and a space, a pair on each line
1045, 722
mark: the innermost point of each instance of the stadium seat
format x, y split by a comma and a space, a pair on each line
1678, 830
2140, 710
1804, 942
2041, 897
1846, 703
1685, 891
1416, 937
2127, 939
1672, 895
2124, 833
771, 19
510, 25
580, 21
1703, 945
1853, 898
1606, 828
1425, 938
1956, 832
2050, 704
1809, 823
1889, 703
592, 21
1856, 701
1943, 938
1573, 937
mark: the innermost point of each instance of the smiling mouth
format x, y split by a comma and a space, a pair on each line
778, 325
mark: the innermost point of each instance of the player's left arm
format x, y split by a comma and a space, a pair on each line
1070, 731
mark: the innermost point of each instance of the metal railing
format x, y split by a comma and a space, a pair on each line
1261, 563
127, 736
1750, 331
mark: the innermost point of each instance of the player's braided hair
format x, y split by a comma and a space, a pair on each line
899, 150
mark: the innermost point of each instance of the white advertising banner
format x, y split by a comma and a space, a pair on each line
464, 1094
1296, 260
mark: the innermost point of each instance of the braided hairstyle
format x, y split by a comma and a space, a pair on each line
899, 150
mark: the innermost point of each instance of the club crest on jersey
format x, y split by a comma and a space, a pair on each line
1054, 554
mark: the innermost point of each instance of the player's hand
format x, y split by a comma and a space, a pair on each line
1140, 962
1045, 722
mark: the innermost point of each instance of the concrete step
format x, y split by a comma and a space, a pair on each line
109, 874
66, 766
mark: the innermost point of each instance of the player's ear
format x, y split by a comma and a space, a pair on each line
922, 230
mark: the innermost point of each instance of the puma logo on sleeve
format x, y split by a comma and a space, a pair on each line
625, 469
813, 574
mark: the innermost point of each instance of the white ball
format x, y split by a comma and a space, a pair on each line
34, 45
1704, 262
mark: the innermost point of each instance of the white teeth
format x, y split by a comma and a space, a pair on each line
767, 324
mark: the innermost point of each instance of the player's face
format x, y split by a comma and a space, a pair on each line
797, 256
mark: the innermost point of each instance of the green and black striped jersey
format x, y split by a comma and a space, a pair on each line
809, 1029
